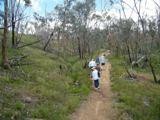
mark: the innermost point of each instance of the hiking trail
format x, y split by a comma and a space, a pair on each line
98, 105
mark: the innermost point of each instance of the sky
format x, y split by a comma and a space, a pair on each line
41, 6
147, 7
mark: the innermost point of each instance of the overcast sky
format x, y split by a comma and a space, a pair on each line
41, 5
148, 7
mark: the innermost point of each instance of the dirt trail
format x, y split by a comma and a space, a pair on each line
98, 106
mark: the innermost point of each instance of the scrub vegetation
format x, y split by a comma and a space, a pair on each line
44, 58
40, 89
136, 99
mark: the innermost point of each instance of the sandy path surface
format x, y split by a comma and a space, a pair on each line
98, 106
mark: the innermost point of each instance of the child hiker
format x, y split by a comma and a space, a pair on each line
95, 77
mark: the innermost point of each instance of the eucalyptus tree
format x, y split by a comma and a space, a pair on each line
17, 9
152, 29
138, 38
82, 11
74, 19
42, 29
66, 19
5, 62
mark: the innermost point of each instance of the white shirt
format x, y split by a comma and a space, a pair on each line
92, 64
95, 74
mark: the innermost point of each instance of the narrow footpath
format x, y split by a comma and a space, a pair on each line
98, 106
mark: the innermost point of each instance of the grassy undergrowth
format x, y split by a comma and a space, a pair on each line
42, 90
135, 100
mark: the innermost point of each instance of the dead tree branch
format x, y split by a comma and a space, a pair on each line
29, 44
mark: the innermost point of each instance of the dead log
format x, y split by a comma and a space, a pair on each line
18, 57
21, 64
139, 61
29, 44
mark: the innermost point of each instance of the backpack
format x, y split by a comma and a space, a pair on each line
98, 69
99, 74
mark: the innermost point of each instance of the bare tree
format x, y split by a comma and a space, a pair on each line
17, 15
5, 62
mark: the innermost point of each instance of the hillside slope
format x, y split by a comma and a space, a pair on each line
136, 99
40, 89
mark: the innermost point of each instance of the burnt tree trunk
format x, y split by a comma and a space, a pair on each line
152, 70
13, 34
13, 24
79, 48
129, 53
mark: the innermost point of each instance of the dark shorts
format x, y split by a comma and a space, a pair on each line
96, 83
103, 63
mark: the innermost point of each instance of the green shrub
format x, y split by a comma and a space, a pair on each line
135, 100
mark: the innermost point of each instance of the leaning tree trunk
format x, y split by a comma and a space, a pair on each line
50, 38
152, 70
5, 62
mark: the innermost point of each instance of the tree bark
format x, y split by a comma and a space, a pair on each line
5, 62
79, 48
13, 24
152, 70
129, 53
13, 34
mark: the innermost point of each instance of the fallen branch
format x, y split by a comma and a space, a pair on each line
29, 44
18, 57
20, 64
17, 61
137, 63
